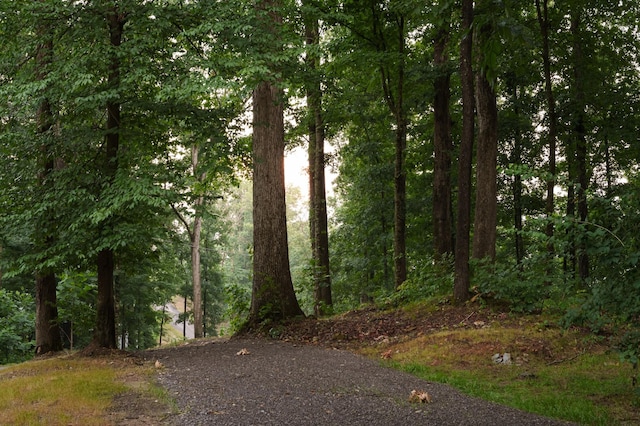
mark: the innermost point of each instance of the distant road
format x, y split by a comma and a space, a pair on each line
174, 312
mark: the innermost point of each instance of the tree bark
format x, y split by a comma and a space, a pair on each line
396, 104
105, 332
463, 226
543, 20
317, 192
486, 207
581, 151
48, 338
442, 145
198, 323
517, 179
273, 296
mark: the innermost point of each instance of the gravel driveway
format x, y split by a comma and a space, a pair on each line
261, 382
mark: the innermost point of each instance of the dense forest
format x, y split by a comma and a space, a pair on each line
484, 151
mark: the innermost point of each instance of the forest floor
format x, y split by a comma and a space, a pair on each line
573, 374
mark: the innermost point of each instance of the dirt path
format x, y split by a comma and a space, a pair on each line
262, 382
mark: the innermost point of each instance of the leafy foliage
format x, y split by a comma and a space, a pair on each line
186, 72
17, 318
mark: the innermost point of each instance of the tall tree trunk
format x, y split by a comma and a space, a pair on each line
400, 207
400, 175
105, 331
198, 324
463, 225
195, 234
273, 296
442, 146
569, 261
317, 192
517, 179
580, 142
48, 337
486, 207
543, 20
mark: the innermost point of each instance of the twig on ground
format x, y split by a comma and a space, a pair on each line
560, 361
468, 316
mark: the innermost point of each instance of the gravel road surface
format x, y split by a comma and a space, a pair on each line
263, 382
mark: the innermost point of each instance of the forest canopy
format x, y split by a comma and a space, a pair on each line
484, 151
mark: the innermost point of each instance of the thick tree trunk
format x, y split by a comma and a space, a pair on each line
273, 296
463, 225
48, 337
486, 207
105, 332
318, 222
442, 215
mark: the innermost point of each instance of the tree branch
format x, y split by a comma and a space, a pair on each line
183, 220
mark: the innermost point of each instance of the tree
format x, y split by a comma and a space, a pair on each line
273, 296
486, 205
105, 331
47, 328
442, 145
462, 277
542, 12
195, 236
197, 193
579, 140
379, 32
194, 231
110, 200
318, 223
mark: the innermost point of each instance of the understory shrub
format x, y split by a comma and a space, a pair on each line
17, 326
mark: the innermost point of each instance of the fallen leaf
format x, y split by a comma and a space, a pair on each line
243, 351
421, 397
158, 364
386, 354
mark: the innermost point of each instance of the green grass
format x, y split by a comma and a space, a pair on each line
557, 394
556, 373
58, 391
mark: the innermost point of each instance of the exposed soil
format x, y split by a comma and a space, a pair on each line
371, 325
303, 373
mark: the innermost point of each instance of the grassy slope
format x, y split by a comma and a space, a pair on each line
564, 374
67, 390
